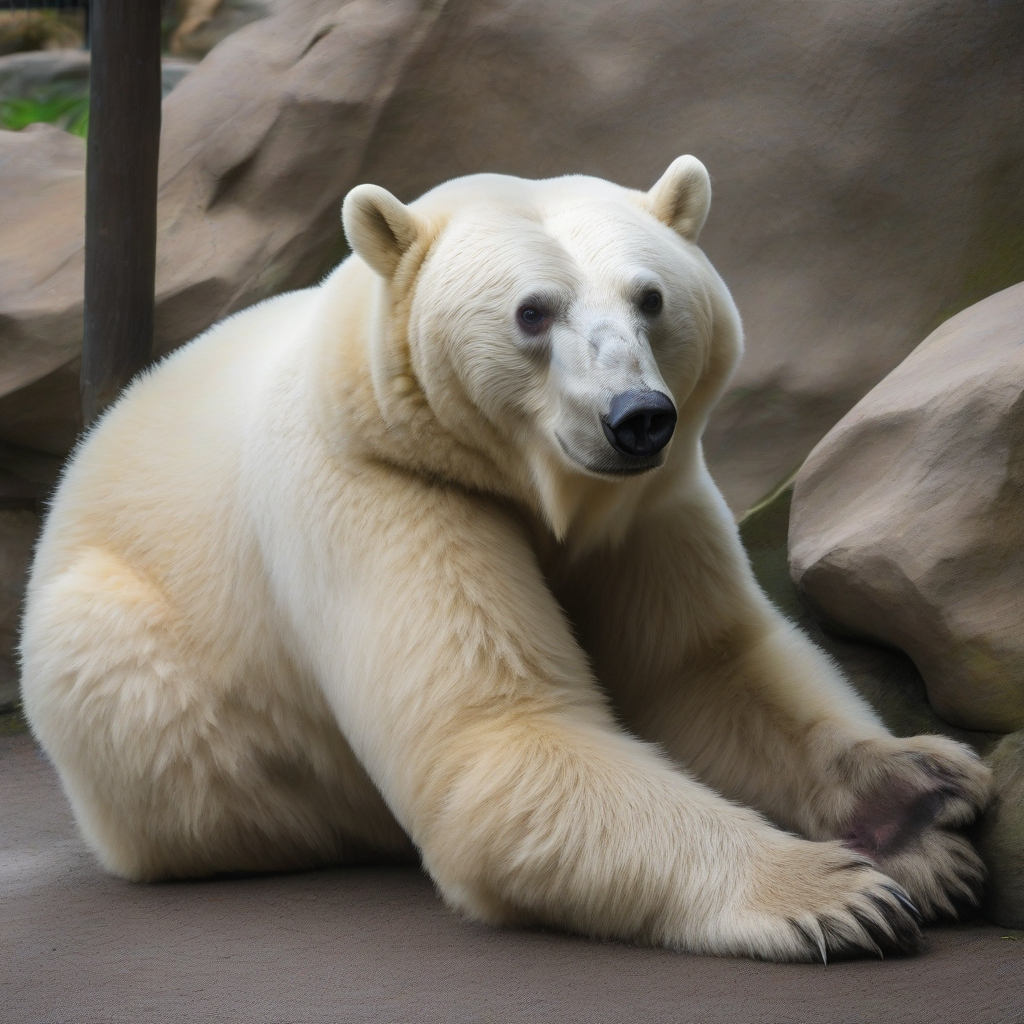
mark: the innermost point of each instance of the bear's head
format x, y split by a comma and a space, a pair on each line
560, 341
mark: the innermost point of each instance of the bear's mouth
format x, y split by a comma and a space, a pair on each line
613, 464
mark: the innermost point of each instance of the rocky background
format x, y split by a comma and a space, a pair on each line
868, 165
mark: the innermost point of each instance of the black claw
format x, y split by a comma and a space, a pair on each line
900, 933
814, 944
837, 941
843, 940
906, 903
967, 900
871, 927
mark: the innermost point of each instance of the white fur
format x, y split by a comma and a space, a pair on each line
355, 574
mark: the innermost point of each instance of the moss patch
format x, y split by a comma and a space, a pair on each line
994, 256
13, 722
764, 530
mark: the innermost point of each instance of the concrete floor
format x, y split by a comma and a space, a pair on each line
376, 944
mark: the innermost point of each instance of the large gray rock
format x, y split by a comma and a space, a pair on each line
205, 23
867, 157
18, 529
1000, 835
907, 522
39, 29
40, 72
41, 269
884, 677
26, 74
26, 480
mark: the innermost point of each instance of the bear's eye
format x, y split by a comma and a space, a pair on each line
651, 302
532, 319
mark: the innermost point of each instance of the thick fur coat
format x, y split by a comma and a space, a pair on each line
372, 570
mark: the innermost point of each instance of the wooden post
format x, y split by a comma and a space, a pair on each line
120, 205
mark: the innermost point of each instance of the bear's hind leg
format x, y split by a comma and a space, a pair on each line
171, 772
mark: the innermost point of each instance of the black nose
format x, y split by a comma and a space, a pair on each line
640, 423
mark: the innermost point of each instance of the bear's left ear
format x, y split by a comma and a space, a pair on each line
682, 196
379, 228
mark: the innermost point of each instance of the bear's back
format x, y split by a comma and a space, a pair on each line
156, 482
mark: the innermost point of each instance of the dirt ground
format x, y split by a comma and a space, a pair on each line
376, 944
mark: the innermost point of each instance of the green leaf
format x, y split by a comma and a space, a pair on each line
66, 110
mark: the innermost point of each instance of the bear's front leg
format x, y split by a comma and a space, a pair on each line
455, 677
696, 659
819, 761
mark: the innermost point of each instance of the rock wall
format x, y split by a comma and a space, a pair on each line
868, 160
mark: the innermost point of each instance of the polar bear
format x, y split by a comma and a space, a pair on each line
425, 561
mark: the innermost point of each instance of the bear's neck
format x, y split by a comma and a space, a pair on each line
367, 397
370, 405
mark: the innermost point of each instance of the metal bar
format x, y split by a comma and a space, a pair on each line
120, 206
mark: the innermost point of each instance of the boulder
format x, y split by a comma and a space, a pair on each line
41, 270
867, 157
18, 529
1000, 835
40, 72
26, 480
907, 523
39, 30
886, 678
173, 71
203, 24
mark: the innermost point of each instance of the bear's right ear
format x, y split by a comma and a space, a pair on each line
379, 228
681, 197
